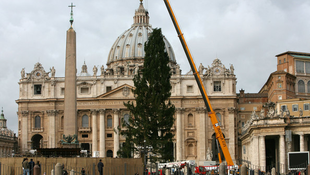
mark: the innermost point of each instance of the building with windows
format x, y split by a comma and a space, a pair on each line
280, 122
42, 103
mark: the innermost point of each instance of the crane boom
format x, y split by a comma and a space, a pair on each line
211, 113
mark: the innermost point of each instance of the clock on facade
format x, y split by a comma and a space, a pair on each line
217, 70
38, 74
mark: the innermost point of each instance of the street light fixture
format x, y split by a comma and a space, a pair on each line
145, 149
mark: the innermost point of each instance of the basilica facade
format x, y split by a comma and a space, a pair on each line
102, 91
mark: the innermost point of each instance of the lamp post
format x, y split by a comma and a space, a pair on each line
145, 149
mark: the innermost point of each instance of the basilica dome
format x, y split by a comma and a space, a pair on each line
129, 46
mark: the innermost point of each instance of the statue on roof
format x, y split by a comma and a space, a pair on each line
102, 70
95, 70
300, 112
178, 70
201, 68
22, 73
232, 69
53, 71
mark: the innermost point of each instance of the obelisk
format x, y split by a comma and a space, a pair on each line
70, 109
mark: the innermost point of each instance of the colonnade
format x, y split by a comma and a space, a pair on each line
101, 149
258, 149
6, 151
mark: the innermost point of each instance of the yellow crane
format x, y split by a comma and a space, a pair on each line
219, 135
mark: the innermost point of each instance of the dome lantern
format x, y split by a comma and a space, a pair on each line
128, 49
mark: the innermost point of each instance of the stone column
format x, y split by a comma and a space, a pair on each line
202, 147
179, 134
255, 148
116, 133
232, 132
94, 132
302, 142
282, 154
24, 130
52, 128
102, 133
262, 152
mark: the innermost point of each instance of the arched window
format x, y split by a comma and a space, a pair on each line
126, 118
301, 86
308, 87
190, 149
190, 120
85, 122
140, 49
109, 122
127, 50
37, 122
219, 118
109, 153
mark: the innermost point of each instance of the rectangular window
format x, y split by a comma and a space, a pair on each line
108, 88
242, 108
306, 106
84, 135
37, 89
307, 67
279, 61
109, 135
283, 107
280, 85
254, 108
217, 86
242, 124
280, 97
295, 107
84, 90
62, 91
300, 67
190, 89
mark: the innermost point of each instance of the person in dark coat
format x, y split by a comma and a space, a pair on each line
83, 171
31, 165
100, 167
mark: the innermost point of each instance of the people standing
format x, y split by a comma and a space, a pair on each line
64, 171
38, 163
25, 166
83, 171
100, 167
31, 165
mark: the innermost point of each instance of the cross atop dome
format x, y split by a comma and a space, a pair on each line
141, 1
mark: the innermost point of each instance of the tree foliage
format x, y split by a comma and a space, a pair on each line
152, 112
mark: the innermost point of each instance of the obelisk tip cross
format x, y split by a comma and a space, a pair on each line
71, 19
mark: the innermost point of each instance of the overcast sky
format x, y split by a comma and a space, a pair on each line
245, 33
